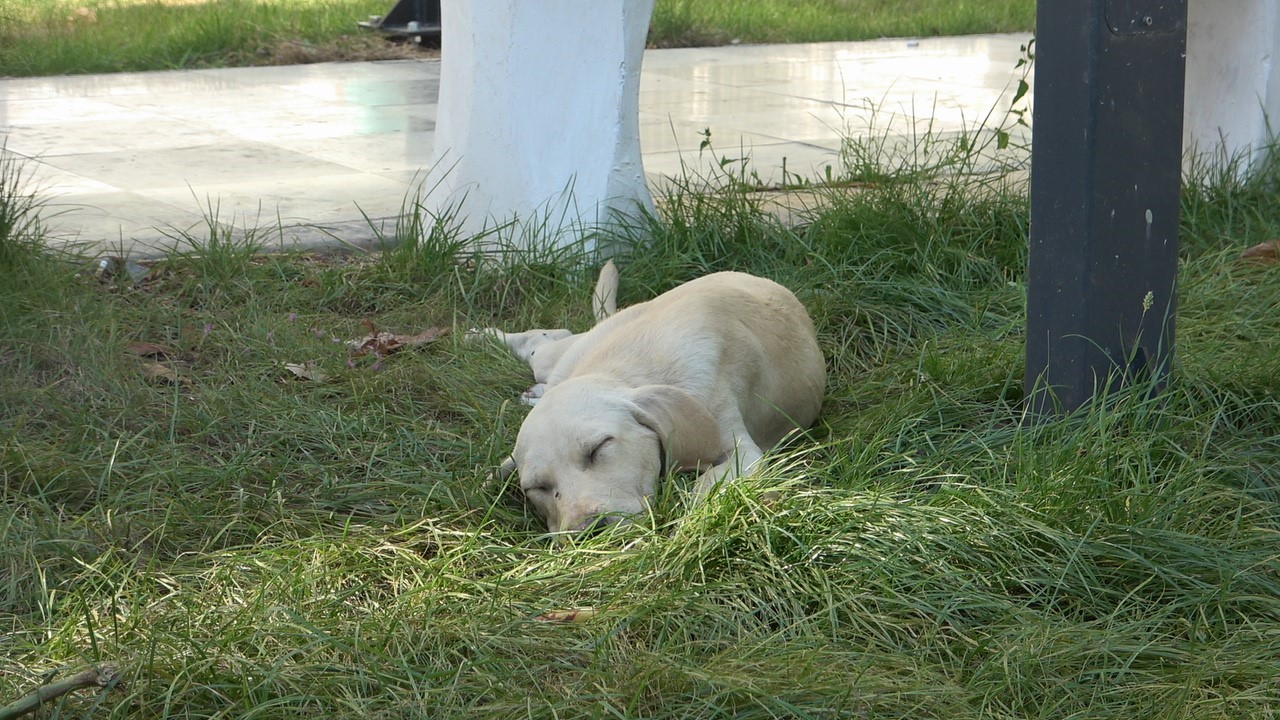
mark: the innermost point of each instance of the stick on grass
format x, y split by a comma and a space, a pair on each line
104, 675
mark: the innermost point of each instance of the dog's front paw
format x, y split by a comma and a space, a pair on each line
484, 335
531, 396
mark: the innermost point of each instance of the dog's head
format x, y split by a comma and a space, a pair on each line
591, 452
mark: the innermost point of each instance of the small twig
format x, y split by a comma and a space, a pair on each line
104, 675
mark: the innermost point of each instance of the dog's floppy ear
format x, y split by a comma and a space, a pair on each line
688, 431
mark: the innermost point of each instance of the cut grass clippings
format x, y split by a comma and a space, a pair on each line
248, 543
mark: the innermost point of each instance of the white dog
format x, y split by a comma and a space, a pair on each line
706, 376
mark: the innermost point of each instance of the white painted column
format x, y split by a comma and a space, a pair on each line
1233, 77
538, 127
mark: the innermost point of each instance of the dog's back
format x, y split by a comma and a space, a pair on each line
725, 338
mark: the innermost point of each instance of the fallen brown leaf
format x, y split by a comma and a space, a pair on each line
148, 349
306, 371
1267, 252
380, 342
577, 615
155, 371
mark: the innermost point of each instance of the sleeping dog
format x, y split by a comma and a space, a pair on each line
706, 376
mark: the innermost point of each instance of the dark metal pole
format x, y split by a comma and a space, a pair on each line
1106, 166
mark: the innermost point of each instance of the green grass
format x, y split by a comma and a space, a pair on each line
53, 37
247, 544
679, 23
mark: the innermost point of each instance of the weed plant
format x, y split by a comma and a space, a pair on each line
247, 543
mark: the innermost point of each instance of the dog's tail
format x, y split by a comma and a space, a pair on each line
604, 302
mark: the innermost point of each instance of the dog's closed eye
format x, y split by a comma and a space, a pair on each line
594, 454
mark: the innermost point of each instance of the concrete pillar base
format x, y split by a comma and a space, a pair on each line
537, 139
1233, 80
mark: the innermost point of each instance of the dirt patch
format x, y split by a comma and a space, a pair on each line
347, 48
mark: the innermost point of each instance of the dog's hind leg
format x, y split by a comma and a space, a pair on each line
541, 349
522, 344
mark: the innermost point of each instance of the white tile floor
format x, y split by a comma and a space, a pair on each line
127, 161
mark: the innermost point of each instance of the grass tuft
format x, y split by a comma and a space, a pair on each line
20, 227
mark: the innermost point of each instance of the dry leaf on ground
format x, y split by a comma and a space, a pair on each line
381, 342
577, 615
148, 349
153, 370
306, 371
1267, 252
